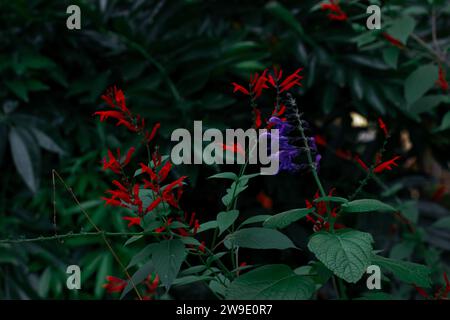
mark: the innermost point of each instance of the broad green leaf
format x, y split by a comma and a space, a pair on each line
408, 272
402, 28
426, 103
225, 219
419, 82
22, 156
255, 219
271, 282
346, 252
402, 250
390, 56
258, 238
190, 279
284, 219
167, 258
224, 175
366, 205
140, 275
331, 199
207, 226
234, 190
410, 210
445, 124
443, 223
141, 256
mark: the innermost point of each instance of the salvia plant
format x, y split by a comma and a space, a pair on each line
180, 249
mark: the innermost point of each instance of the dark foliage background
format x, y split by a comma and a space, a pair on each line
175, 61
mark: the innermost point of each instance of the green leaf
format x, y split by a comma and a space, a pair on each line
402, 28
419, 82
255, 219
18, 88
443, 223
105, 269
426, 104
225, 219
347, 252
375, 296
132, 240
207, 226
140, 275
46, 142
271, 282
258, 238
233, 191
331, 199
284, 219
408, 272
402, 250
22, 156
190, 279
144, 254
390, 56
410, 210
445, 123
44, 283
224, 175
366, 205
280, 12
167, 258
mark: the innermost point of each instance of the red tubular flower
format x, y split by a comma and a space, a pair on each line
104, 115
114, 284
202, 247
149, 171
421, 291
320, 140
439, 193
133, 221
387, 165
442, 82
383, 127
291, 81
258, 83
149, 136
258, 121
137, 200
361, 163
238, 87
393, 41
236, 148
153, 205
336, 11
343, 154
265, 201
113, 164
164, 171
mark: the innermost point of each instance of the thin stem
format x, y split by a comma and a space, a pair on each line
105, 240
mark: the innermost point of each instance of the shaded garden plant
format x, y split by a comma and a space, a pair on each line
342, 253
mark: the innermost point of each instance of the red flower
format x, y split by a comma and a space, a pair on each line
257, 84
114, 164
336, 11
133, 221
265, 201
164, 171
387, 165
149, 136
202, 247
442, 82
291, 81
421, 291
343, 154
361, 163
383, 127
258, 121
238, 87
320, 140
114, 284
392, 40
236, 148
